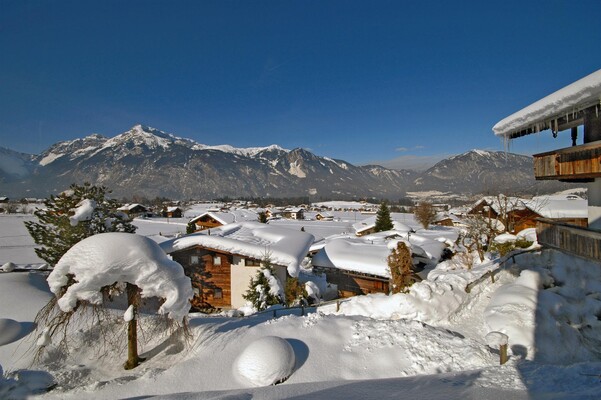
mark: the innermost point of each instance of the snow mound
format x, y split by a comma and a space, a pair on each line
496, 339
9, 330
528, 234
505, 238
83, 211
8, 267
265, 361
106, 258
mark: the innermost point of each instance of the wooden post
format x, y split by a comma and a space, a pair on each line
274, 310
492, 277
133, 360
503, 354
302, 310
337, 305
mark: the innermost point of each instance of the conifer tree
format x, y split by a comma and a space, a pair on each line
264, 289
383, 220
56, 233
295, 293
190, 228
400, 265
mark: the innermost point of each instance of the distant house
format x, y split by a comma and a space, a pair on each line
214, 219
294, 213
222, 261
368, 226
3, 199
324, 216
133, 210
516, 214
172, 212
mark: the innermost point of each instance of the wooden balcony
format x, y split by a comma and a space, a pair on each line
571, 239
572, 164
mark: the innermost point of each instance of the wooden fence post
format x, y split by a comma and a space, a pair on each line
503, 353
337, 305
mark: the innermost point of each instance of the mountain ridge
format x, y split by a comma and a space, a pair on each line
149, 162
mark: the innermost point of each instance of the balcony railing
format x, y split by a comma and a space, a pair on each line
572, 239
576, 163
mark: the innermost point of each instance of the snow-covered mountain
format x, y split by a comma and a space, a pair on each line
148, 162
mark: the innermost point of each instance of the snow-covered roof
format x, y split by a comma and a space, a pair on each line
228, 217
284, 247
173, 209
501, 204
544, 113
370, 222
369, 254
559, 206
129, 207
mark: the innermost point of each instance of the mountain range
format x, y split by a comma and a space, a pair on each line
148, 162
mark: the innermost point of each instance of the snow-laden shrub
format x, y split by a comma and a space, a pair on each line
266, 361
264, 289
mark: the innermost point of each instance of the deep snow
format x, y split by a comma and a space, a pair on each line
430, 343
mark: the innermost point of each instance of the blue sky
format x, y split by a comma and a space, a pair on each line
356, 80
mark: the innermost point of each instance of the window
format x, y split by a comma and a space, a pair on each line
194, 260
250, 262
216, 261
217, 293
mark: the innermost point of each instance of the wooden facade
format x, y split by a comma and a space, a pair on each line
569, 238
172, 212
210, 273
352, 283
576, 163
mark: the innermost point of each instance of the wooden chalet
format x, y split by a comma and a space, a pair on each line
172, 212
210, 220
352, 283
294, 213
222, 263
578, 104
133, 210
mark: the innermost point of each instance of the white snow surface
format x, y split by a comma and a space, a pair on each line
103, 259
265, 362
83, 211
372, 348
9, 330
581, 94
251, 239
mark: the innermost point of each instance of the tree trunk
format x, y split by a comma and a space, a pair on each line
133, 360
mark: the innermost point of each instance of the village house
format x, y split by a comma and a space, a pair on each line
577, 104
214, 219
222, 261
172, 212
368, 226
134, 210
324, 216
358, 265
294, 213
514, 214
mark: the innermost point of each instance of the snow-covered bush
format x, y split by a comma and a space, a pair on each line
295, 293
110, 261
266, 361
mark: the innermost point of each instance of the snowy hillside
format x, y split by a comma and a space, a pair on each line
428, 343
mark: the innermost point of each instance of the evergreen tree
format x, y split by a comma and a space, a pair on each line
263, 217
400, 266
295, 293
55, 233
383, 220
190, 228
264, 289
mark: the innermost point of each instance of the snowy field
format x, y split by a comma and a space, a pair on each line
429, 343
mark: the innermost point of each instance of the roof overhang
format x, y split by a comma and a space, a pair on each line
558, 111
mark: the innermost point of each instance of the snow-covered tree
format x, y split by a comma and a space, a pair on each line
425, 213
383, 220
108, 263
265, 288
262, 217
75, 214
